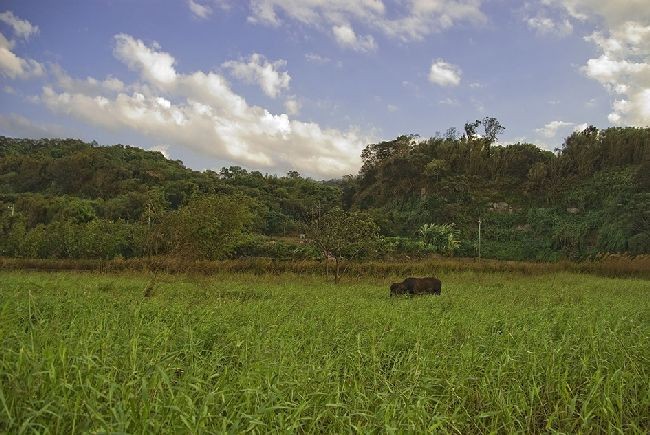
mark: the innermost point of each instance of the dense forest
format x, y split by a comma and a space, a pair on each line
70, 199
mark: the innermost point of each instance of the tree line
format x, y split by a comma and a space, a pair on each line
63, 198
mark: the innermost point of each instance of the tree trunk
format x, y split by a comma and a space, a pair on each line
327, 267
337, 275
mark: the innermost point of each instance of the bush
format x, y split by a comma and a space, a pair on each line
639, 244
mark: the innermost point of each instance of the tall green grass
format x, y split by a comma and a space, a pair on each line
497, 352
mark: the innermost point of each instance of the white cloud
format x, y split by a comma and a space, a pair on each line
10, 64
624, 69
314, 12
623, 66
317, 58
14, 66
425, 17
262, 72
22, 28
200, 111
292, 106
392, 108
202, 9
403, 20
19, 126
608, 71
199, 10
580, 127
548, 26
615, 13
551, 129
444, 74
162, 149
345, 37
156, 66
87, 85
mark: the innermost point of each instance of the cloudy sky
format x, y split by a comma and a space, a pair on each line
275, 85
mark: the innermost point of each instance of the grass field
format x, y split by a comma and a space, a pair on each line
84, 352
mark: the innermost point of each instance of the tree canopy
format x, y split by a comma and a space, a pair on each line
63, 198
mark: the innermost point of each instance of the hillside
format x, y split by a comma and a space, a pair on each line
70, 199
592, 196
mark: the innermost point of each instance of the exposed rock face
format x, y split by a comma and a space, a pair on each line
501, 207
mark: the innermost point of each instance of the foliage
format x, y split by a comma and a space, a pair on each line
207, 227
443, 238
591, 197
340, 234
594, 190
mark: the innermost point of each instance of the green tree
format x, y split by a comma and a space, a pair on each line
344, 235
208, 227
492, 128
436, 168
470, 129
443, 239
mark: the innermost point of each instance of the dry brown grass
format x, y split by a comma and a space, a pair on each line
610, 265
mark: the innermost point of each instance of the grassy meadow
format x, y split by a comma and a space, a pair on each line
497, 352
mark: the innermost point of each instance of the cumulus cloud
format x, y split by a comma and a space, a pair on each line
156, 66
12, 65
580, 127
547, 18
444, 74
623, 64
403, 20
260, 71
624, 69
346, 37
551, 129
22, 28
614, 13
88, 85
162, 149
199, 110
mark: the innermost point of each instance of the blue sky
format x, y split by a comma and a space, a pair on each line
276, 85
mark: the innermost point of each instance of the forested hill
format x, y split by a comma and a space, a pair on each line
592, 195
67, 198
53, 179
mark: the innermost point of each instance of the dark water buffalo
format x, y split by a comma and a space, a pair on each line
416, 286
